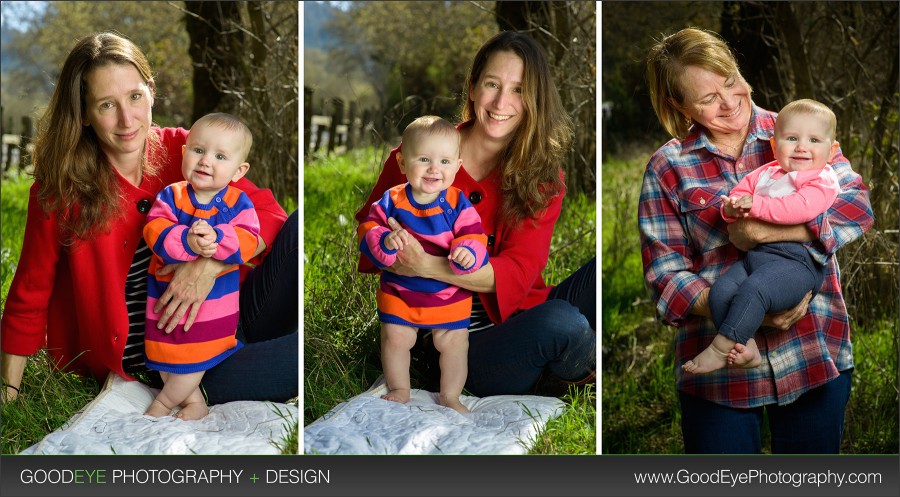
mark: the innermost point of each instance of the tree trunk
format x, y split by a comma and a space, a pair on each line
205, 25
746, 29
789, 25
546, 22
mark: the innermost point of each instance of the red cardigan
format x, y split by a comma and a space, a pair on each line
72, 299
517, 255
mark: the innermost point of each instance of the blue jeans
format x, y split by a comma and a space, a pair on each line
267, 367
557, 335
813, 424
772, 277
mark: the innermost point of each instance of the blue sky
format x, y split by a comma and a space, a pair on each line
16, 14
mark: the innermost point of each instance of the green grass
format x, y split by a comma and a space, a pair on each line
640, 405
340, 322
49, 396
13, 211
575, 431
48, 399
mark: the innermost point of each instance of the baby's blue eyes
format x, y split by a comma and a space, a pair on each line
795, 139
199, 151
426, 160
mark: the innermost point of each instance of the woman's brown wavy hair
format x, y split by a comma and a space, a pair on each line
531, 161
74, 176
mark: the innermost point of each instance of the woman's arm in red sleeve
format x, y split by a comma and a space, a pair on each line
522, 258
271, 215
24, 322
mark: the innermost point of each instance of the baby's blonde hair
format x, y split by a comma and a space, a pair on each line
809, 107
430, 126
230, 123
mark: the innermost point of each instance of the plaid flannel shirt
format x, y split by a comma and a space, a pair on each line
685, 247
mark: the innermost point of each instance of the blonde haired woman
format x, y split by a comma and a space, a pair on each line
720, 136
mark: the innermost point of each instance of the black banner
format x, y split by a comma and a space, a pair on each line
519, 476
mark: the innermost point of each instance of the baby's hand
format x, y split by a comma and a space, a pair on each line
744, 203
202, 239
202, 228
396, 240
462, 256
737, 206
200, 245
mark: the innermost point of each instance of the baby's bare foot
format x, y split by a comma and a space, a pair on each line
192, 411
452, 401
157, 409
745, 356
712, 358
400, 395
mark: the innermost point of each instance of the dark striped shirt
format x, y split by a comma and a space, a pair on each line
479, 320
136, 303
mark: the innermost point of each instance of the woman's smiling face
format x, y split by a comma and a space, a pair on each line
719, 103
497, 95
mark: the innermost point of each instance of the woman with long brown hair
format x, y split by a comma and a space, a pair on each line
99, 162
514, 134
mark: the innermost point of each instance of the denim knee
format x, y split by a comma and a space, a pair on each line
573, 353
563, 319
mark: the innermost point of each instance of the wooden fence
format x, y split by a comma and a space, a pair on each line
330, 126
16, 142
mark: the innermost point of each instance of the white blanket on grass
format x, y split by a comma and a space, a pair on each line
114, 423
368, 424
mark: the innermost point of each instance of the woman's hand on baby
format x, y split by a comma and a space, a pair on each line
700, 306
397, 240
785, 319
745, 233
462, 256
411, 257
189, 288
